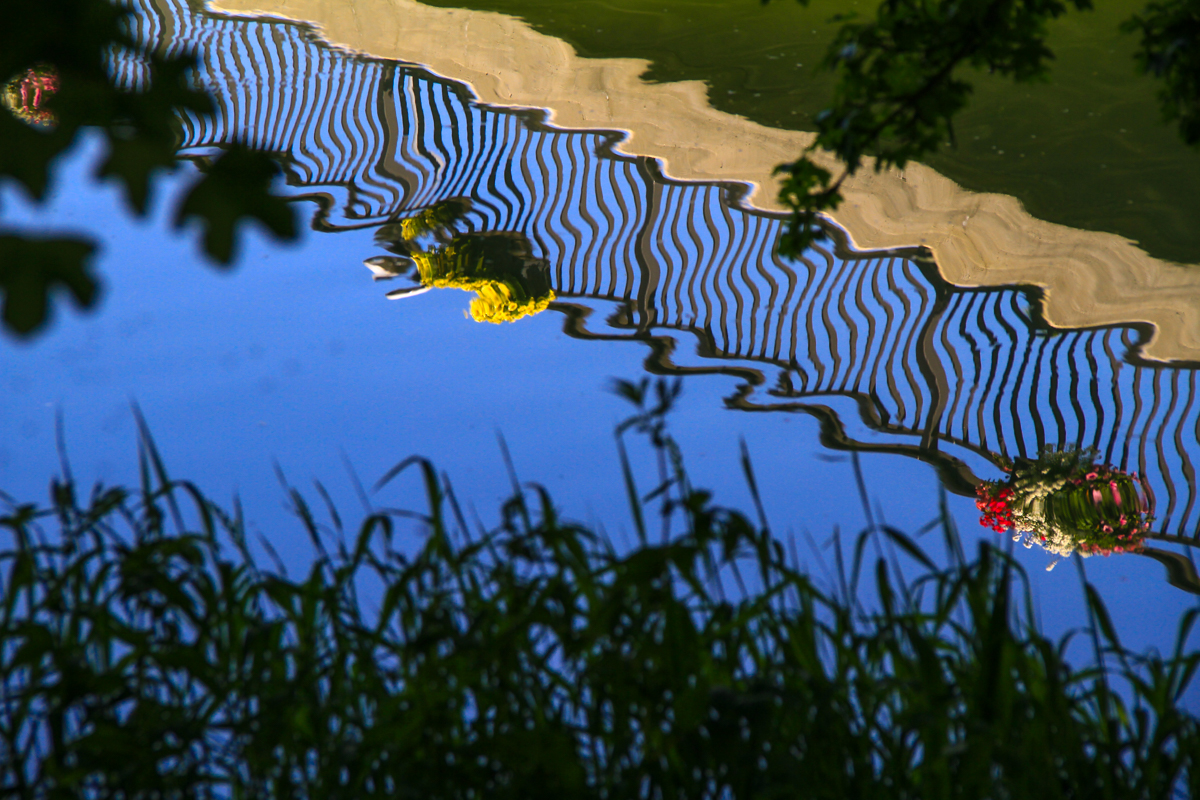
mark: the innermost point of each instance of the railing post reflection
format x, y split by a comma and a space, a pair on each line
955, 377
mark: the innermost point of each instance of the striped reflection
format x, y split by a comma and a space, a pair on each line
951, 375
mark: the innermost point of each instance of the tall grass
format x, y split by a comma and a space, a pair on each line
144, 652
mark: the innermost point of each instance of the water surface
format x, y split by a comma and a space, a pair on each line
300, 357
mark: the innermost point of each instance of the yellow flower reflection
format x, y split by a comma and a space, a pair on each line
509, 284
430, 221
495, 303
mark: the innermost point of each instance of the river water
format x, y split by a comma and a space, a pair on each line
342, 353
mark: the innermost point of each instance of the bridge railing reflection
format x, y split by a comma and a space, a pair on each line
955, 376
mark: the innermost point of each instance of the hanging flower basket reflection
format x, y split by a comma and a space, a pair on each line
509, 282
26, 95
1068, 504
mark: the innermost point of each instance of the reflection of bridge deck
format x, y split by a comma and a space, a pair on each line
936, 372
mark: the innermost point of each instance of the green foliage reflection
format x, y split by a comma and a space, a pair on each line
900, 82
1170, 34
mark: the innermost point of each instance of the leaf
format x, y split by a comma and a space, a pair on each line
236, 186
133, 162
26, 152
141, 126
1102, 617
809, 190
73, 34
31, 268
908, 546
633, 392
1170, 50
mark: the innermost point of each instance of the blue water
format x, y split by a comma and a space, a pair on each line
295, 358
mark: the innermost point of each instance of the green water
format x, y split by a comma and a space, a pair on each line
1086, 149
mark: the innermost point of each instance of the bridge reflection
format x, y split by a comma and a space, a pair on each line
875, 344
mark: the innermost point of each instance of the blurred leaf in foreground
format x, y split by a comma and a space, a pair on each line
30, 269
56, 80
236, 187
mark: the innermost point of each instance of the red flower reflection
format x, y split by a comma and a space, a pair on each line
26, 95
992, 501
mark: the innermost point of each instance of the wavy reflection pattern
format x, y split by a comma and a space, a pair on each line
932, 369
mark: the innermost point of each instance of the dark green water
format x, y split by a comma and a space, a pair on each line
1086, 149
